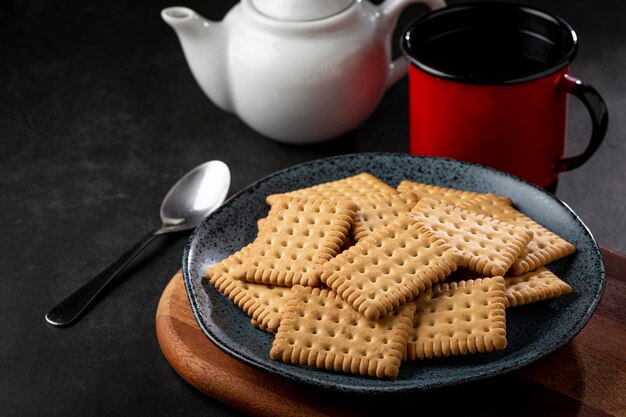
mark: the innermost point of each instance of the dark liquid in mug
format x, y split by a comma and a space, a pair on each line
479, 53
490, 43
482, 54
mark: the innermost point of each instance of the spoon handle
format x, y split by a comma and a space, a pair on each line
68, 310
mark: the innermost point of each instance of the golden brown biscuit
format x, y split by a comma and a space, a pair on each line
350, 188
263, 303
321, 330
489, 246
543, 248
296, 238
538, 285
448, 195
458, 318
390, 267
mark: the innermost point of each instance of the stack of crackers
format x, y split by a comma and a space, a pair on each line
357, 276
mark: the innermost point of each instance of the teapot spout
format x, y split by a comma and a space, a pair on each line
185, 21
203, 44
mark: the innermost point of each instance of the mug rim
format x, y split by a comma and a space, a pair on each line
550, 69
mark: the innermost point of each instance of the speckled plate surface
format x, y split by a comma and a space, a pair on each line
533, 330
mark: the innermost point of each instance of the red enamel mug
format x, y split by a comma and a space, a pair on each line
489, 83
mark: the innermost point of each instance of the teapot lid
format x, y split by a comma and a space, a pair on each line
300, 10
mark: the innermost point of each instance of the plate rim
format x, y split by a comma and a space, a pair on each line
391, 387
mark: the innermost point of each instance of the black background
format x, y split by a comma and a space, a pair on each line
99, 115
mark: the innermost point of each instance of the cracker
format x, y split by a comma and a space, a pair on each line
390, 267
538, 285
350, 188
379, 210
448, 195
263, 303
459, 318
489, 246
319, 329
543, 248
296, 238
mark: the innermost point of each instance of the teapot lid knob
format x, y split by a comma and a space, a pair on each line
300, 10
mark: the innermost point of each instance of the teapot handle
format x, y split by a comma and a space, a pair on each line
390, 12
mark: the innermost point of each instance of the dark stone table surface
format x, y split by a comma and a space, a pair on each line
99, 115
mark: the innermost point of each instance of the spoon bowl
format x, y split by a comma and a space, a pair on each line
195, 195
192, 198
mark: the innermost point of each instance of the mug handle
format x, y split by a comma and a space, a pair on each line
390, 11
595, 105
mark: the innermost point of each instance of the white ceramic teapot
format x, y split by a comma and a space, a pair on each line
296, 71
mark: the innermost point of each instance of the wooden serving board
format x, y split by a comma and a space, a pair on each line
585, 377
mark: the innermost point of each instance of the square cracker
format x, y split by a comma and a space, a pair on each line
296, 238
390, 267
263, 303
448, 195
457, 318
543, 248
350, 188
377, 211
489, 246
538, 285
321, 330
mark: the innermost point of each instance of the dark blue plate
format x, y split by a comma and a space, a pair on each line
533, 330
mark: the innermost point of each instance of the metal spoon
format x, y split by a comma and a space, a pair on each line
194, 196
